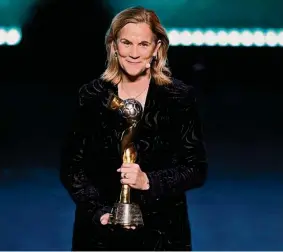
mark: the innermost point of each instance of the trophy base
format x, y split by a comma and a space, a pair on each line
126, 215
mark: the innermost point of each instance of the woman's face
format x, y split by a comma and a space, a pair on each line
135, 47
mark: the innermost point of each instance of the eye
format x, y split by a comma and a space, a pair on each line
125, 42
144, 44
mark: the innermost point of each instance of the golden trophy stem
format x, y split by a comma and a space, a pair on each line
129, 156
125, 195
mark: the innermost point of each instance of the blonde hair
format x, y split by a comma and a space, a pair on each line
159, 70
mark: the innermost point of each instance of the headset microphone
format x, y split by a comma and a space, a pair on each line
147, 65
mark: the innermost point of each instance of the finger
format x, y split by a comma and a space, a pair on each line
105, 215
104, 219
131, 227
126, 181
127, 170
130, 165
127, 165
129, 175
123, 169
125, 175
134, 186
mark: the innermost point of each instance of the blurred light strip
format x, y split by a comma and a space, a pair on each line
226, 37
10, 36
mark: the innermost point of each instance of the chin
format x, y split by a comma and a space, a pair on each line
134, 73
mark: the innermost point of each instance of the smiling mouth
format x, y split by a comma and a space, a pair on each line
133, 62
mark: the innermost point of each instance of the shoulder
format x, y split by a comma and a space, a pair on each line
179, 93
180, 88
91, 91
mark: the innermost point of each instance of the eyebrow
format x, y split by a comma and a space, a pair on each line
144, 41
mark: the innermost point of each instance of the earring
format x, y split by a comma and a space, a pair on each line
116, 54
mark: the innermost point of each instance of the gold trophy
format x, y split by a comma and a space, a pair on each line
125, 213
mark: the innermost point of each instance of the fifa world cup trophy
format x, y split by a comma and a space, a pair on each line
125, 213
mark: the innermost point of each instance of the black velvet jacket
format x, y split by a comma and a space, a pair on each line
171, 152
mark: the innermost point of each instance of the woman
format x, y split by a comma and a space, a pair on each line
171, 154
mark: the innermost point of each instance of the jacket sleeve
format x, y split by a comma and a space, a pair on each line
188, 166
74, 157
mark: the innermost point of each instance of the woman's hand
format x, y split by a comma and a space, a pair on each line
104, 220
132, 175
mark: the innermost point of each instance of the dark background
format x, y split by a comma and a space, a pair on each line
240, 100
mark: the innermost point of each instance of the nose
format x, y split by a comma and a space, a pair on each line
134, 52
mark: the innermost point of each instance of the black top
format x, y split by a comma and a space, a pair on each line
170, 150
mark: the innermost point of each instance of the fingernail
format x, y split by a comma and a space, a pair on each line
119, 170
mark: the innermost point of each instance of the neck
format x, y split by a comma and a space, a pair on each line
135, 85
145, 75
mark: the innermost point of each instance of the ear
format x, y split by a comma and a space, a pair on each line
158, 44
113, 47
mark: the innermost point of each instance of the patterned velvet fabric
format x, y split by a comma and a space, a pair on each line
171, 152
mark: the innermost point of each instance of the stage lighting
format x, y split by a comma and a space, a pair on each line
226, 37
10, 36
